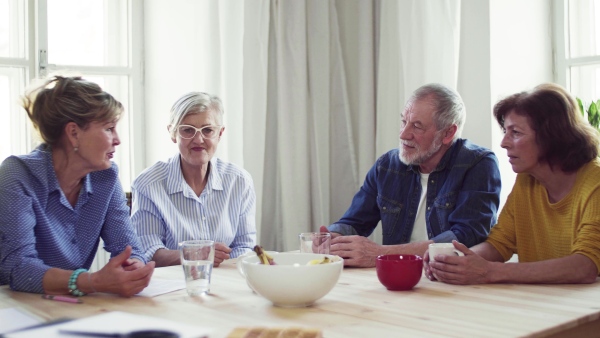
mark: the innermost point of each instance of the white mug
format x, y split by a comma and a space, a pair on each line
442, 249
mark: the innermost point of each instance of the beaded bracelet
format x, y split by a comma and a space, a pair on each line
73, 283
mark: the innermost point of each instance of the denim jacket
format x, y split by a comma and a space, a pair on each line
463, 194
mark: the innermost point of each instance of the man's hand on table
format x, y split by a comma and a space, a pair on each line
357, 251
333, 234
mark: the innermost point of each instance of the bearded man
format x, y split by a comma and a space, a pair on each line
435, 188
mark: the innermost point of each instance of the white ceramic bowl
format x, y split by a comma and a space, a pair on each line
250, 254
292, 283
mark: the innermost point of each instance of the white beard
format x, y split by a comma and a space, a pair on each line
419, 156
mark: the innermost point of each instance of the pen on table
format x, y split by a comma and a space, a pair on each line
63, 299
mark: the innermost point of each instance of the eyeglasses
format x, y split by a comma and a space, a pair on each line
207, 132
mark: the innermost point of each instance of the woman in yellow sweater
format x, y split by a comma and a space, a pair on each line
552, 216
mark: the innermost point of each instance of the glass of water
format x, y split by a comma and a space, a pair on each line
315, 242
197, 259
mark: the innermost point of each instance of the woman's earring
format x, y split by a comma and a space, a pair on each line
76, 149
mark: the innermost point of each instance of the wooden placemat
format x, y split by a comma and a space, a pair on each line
275, 332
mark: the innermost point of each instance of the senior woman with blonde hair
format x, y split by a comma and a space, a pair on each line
552, 216
194, 195
59, 200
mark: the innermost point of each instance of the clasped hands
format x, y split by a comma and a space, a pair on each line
122, 275
468, 269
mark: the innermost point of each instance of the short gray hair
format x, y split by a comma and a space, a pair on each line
194, 102
450, 108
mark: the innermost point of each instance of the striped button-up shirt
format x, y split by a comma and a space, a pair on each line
40, 229
166, 211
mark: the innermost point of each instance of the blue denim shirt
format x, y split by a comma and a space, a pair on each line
463, 194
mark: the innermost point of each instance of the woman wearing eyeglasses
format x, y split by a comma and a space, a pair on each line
194, 195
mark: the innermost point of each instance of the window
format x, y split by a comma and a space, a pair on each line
577, 47
97, 39
14, 74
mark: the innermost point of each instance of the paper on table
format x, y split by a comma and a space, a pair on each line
115, 322
161, 286
13, 319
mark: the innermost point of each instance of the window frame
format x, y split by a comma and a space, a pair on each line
34, 63
562, 60
22, 140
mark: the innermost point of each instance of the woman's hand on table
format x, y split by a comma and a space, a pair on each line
468, 269
221, 253
132, 264
115, 278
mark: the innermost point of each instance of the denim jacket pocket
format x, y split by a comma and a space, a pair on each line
391, 213
443, 206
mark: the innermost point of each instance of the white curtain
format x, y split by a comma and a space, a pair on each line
419, 44
307, 161
300, 80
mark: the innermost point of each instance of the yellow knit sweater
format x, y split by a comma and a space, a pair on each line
535, 229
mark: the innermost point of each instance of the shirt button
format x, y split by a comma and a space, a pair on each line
432, 181
384, 208
447, 204
428, 208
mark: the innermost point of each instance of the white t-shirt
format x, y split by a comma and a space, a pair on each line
419, 232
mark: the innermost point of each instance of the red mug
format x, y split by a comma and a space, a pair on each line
399, 272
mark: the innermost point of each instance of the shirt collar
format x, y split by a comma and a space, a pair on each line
450, 153
46, 151
178, 183
215, 180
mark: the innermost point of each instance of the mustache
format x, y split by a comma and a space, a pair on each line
409, 144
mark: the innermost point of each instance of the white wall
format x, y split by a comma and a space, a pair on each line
168, 28
506, 47
474, 82
521, 58
177, 42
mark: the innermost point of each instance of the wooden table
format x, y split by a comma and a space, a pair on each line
358, 306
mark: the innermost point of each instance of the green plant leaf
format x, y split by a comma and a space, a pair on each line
581, 106
594, 115
593, 109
